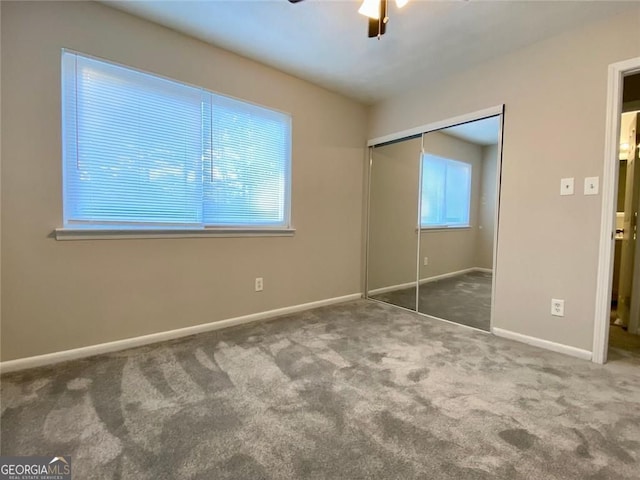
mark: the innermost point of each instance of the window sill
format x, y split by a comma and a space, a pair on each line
439, 229
124, 233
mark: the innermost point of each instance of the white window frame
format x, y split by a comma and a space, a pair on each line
146, 230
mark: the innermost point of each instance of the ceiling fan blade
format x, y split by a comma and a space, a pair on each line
294, 1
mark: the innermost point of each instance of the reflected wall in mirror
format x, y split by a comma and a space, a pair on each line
458, 202
393, 214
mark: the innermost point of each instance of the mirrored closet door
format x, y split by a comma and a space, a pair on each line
393, 213
457, 219
453, 227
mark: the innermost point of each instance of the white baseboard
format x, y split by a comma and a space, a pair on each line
83, 352
401, 286
442, 276
392, 288
482, 269
546, 344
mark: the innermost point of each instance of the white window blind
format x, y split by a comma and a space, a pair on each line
446, 192
245, 182
144, 151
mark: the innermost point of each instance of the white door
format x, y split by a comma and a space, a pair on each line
628, 296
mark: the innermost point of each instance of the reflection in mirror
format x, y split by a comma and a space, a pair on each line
393, 214
458, 201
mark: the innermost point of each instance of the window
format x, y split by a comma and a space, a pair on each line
141, 151
446, 192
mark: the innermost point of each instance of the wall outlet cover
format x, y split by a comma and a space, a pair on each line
557, 307
591, 185
566, 186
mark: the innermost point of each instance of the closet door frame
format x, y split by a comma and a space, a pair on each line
422, 130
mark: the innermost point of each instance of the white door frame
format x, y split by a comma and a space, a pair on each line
616, 74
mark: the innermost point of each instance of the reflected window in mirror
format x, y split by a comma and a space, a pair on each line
446, 193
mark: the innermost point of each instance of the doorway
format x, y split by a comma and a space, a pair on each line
617, 322
624, 331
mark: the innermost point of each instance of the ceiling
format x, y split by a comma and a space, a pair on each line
325, 41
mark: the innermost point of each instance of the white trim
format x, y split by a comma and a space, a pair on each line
401, 286
444, 228
546, 344
604, 278
102, 348
419, 222
430, 127
392, 288
123, 233
496, 220
442, 276
484, 270
367, 244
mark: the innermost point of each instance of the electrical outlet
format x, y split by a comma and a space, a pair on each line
259, 284
426, 260
557, 307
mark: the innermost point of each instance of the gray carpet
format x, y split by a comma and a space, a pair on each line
356, 391
463, 299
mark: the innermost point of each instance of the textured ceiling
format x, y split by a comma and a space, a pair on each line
325, 41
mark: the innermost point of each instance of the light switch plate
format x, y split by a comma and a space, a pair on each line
591, 185
566, 186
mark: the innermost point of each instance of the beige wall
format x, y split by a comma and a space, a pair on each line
555, 97
393, 218
61, 295
487, 207
452, 250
